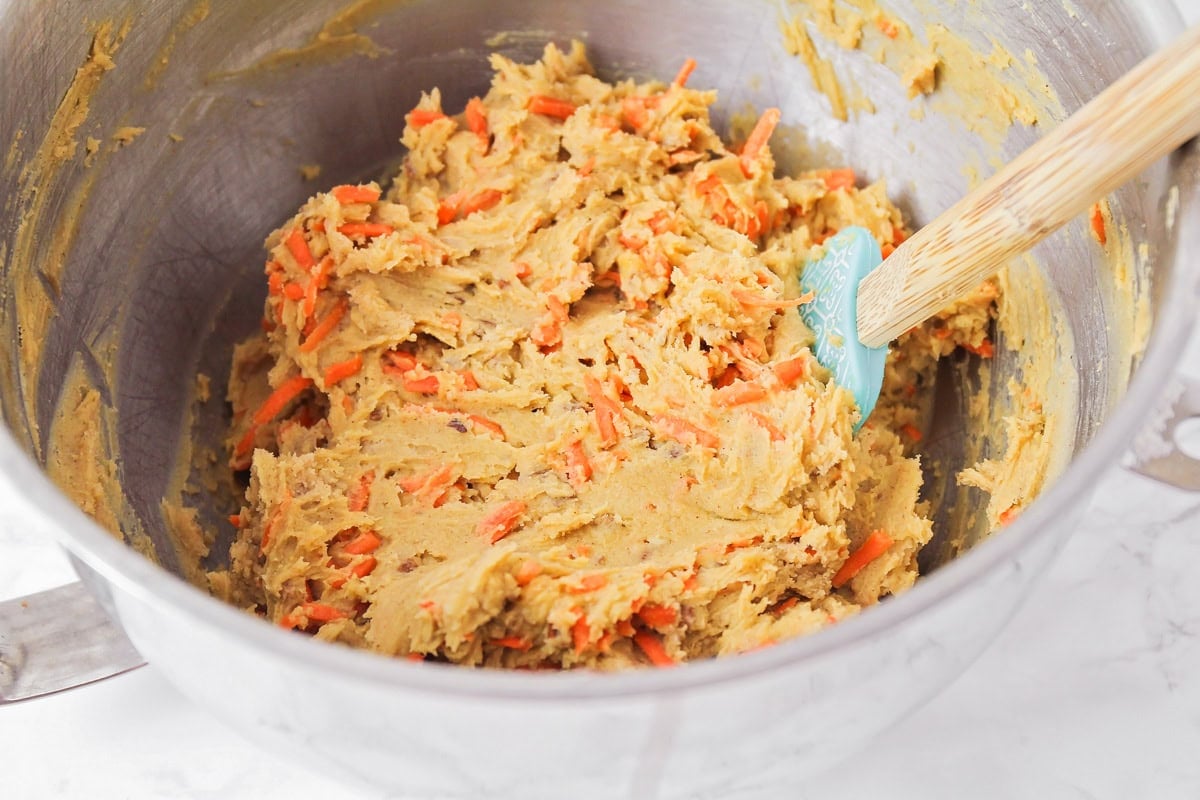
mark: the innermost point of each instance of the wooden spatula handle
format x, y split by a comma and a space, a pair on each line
1137, 120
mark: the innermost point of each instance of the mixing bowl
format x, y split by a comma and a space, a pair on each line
151, 146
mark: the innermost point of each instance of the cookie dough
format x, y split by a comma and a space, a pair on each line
548, 402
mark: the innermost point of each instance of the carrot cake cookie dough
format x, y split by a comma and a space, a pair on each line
547, 401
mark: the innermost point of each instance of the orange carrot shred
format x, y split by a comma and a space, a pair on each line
235, 520
430, 487
985, 349
749, 298
875, 545
481, 201
336, 373
364, 567
912, 432
279, 399
360, 496
658, 616
757, 139
634, 112
420, 117
685, 72
501, 520
680, 429
791, 371
606, 410
320, 612
589, 583
448, 208
580, 633
293, 291
489, 425
652, 646
739, 393
364, 542
476, 115
367, 229
347, 194
1009, 514
1098, 225
297, 245
579, 469
551, 106
513, 643
427, 385
887, 27
324, 327
528, 570
838, 179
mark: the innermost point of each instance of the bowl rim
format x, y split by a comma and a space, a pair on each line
148, 583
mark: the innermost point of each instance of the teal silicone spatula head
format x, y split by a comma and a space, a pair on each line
832, 315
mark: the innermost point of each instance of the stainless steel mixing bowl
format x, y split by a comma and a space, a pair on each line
147, 260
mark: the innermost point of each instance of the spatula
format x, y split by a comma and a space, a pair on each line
861, 304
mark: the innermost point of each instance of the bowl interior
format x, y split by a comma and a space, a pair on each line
132, 268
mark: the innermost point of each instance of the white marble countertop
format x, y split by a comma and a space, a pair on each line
1092, 691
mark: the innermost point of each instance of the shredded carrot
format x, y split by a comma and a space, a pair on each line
1098, 225
448, 208
634, 111
426, 385
430, 487
398, 362
275, 284
489, 425
912, 432
765, 422
469, 381
528, 570
477, 122
522, 270
586, 167
481, 201
887, 27
757, 139
580, 632
739, 393
347, 194
551, 106
364, 567
755, 299
685, 72
320, 612
1009, 514
680, 429
579, 469
336, 373
513, 643
324, 327
360, 497
652, 646
589, 583
293, 291
364, 542
784, 606
279, 399
658, 616
875, 545
420, 117
297, 245
367, 229
985, 349
838, 179
607, 410
791, 371
501, 520
738, 544
235, 520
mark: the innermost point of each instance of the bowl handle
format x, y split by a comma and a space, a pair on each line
1156, 451
58, 639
